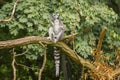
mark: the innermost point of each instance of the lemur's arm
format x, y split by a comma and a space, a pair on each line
51, 34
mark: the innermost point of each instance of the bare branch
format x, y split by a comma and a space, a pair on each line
22, 41
26, 40
102, 34
12, 14
98, 51
42, 68
25, 66
22, 53
69, 36
13, 65
16, 55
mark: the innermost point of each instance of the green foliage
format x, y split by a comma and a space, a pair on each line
85, 17
117, 2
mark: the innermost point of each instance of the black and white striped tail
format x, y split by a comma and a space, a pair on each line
57, 61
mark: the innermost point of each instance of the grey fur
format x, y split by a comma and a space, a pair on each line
56, 31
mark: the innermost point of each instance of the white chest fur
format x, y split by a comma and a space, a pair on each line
57, 26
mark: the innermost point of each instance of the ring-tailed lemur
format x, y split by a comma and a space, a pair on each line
56, 32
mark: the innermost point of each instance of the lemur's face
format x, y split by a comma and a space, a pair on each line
55, 16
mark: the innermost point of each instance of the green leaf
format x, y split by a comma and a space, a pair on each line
29, 24
23, 20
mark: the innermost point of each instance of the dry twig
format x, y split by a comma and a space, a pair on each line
22, 53
24, 66
16, 55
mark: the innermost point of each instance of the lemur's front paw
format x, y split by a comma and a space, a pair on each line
48, 38
55, 41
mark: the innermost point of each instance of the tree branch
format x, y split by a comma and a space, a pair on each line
37, 39
27, 40
98, 51
22, 53
22, 41
73, 55
102, 34
70, 36
43, 66
13, 65
12, 14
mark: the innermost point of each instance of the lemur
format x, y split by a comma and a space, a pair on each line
56, 32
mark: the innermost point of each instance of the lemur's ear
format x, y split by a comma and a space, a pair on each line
58, 14
55, 14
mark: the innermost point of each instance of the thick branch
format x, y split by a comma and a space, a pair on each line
71, 53
22, 41
37, 39
26, 40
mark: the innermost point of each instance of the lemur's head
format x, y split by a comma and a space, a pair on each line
55, 16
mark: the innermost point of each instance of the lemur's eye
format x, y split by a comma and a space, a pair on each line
55, 37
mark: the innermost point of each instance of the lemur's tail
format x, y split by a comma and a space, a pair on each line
57, 60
